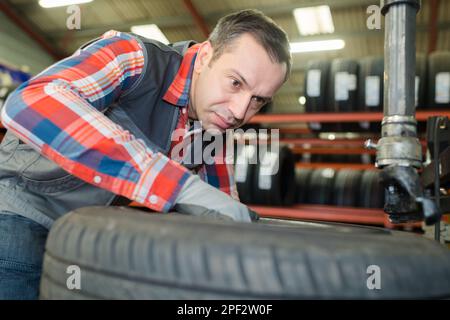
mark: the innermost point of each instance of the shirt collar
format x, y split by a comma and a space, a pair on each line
178, 92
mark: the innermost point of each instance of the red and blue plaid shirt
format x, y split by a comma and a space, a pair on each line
60, 113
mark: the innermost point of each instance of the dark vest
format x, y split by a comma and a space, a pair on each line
35, 187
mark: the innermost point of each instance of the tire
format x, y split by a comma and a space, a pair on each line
370, 89
244, 170
321, 186
346, 186
343, 90
371, 191
370, 93
277, 189
421, 77
125, 254
316, 83
339, 158
302, 177
438, 66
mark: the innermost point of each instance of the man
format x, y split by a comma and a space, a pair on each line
96, 128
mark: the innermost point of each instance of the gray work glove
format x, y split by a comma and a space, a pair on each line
201, 199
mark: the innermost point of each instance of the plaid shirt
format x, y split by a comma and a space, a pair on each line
60, 114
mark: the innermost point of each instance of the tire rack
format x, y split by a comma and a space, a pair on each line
328, 212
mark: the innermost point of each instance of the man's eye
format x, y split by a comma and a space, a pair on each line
235, 83
259, 100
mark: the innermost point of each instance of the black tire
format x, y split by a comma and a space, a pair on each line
370, 86
346, 98
339, 158
125, 254
317, 76
343, 90
302, 177
277, 189
244, 170
371, 191
421, 77
438, 63
370, 89
316, 85
321, 186
346, 187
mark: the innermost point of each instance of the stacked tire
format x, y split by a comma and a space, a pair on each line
265, 176
274, 178
370, 93
346, 187
439, 80
346, 85
316, 91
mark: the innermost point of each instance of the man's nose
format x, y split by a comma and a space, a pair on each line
239, 108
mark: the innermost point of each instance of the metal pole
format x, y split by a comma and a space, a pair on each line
399, 144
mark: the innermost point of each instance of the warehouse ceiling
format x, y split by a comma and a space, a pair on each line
178, 22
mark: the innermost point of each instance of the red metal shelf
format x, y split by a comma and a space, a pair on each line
357, 142
331, 150
335, 166
337, 117
295, 131
332, 213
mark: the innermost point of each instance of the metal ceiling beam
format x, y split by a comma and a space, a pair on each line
199, 21
27, 27
433, 25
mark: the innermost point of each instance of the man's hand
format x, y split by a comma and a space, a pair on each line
201, 199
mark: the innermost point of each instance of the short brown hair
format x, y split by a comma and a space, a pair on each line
268, 34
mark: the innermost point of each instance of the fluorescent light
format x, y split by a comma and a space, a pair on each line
150, 31
311, 46
314, 20
60, 3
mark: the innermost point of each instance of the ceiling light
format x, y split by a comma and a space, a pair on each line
60, 3
302, 100
311, 46
314, 20
150, 31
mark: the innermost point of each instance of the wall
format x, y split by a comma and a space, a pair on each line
18, 49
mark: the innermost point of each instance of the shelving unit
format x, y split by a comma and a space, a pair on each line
337, 117
314, 145
335, 165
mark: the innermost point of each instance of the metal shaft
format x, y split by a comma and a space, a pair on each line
399, 144
400, 59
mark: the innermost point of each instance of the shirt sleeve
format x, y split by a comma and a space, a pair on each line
60, 114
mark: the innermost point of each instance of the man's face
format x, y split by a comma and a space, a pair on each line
229, 91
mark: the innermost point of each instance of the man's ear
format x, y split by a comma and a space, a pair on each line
204, 55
